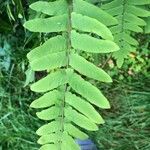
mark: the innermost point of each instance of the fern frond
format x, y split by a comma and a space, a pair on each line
68, 98
129, 14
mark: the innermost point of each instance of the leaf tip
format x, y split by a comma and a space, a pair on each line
38, 132
32, 105
109, 79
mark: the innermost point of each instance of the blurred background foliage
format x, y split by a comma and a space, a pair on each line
127, 122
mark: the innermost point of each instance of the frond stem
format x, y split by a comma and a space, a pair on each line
69, 28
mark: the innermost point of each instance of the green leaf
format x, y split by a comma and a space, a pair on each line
132, 27
115, 11
130, 39
80, 120
75, 132
49, 138
51, 61
84, 107
87, 24
69, 143
52, 45
49, 147
137, 11
49, 128
133, 18
47, 25
87, 43
92, 11
111, 4
46, 100
30, 76
71, 26
78, 63
87, 90
138, 2
49, 114
50, 8
50, 82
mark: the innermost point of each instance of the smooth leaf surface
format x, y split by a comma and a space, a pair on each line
46, 100
50, 82
48, 147
49, 47
84, 107
90, 44
78, 63
80, 120
49, 114
87, 90
90, 25
51, 61
92, 11
75, 132
47, 25
50, 8
48, 128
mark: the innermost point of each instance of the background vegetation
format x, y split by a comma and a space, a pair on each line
127, 122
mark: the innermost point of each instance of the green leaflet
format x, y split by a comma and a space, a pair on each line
90, 25
90, 44
78, 63
46, 100
75, 132
130, 40
138, 11
50, 61
137, 2
92, 11
136, 20
69, 143
53, 24
84, 107
80, 120
49, 128
115, 11
126, 38
49, 138
50, 46
50, 8
48, 147
132, 27
49, 114
87, 90
111, 4
70, 26
50, 82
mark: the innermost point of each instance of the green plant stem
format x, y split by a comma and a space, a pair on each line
122, 20
67, 66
